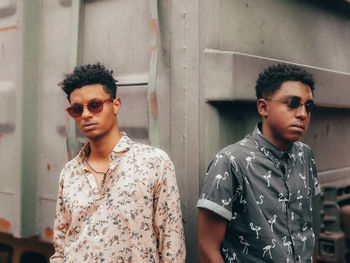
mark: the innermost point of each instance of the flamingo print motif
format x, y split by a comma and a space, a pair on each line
292, 156
249, 159
283, 201
256, 229
272, 221
287, 244
245, 244
232, 159
220, 177
303, 239
218, 156
261, 197
300, 197
268, 248
226, 202
242, 142
237, 193
267, 176
301, 156
303, 178
234, 216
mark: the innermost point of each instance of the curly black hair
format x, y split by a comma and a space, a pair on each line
272, 78
87, 75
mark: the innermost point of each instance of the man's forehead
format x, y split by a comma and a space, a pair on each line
294, 89
88, 92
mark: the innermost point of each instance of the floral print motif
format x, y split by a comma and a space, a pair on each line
134, 217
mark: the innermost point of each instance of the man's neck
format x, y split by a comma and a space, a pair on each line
101, 148
279, 143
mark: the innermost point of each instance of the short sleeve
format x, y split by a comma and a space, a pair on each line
220, 187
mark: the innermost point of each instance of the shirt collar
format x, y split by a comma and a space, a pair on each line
123, 145
267, 147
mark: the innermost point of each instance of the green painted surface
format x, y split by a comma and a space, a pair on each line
30, 113
153, 111
76, 58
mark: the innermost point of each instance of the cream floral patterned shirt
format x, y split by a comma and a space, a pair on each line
134, 217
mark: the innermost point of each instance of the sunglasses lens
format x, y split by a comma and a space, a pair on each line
310, 107
294, 103
95, 106
75, 110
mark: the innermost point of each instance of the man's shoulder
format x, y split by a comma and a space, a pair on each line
240, 148
303, 147
73, 163
149, 152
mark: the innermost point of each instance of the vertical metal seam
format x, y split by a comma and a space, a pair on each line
29, 119
153, 120
76, 58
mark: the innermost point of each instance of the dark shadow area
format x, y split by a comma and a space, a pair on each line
339, 7
31, 257
5, 253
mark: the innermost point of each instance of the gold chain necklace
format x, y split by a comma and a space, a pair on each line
98, 172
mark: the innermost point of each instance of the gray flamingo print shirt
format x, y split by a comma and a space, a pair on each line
267, 197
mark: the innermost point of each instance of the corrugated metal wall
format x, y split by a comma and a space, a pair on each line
186, 71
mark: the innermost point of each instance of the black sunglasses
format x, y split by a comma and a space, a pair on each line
294, 103
94, 106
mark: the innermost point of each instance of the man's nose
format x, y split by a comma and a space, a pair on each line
86, 113
302, 112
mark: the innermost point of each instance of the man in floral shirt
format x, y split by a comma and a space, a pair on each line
118, 200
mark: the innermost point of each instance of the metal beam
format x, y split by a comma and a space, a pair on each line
30, 114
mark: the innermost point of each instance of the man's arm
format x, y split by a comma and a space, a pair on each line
168, 217
211, 232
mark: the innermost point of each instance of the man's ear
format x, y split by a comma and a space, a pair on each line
116, 105
262, 105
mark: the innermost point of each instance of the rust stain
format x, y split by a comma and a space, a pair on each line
154, 26
262, 42
48, 167
154, 104
7, 28
153, 48
49, 233
4, 225
1, 135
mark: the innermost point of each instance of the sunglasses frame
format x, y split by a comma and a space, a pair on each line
90, 109
294, 103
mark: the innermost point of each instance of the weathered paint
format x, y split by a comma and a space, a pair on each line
4, 225
49, 233
154, 104
7, 28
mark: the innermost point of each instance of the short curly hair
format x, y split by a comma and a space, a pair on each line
272, 78
87, 75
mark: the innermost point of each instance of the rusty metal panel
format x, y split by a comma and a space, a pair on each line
9, 125
121, 39
52, 152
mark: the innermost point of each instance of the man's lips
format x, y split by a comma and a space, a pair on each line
88, 126
298, 126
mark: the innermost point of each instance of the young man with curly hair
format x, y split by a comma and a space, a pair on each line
257, 199
118, 200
